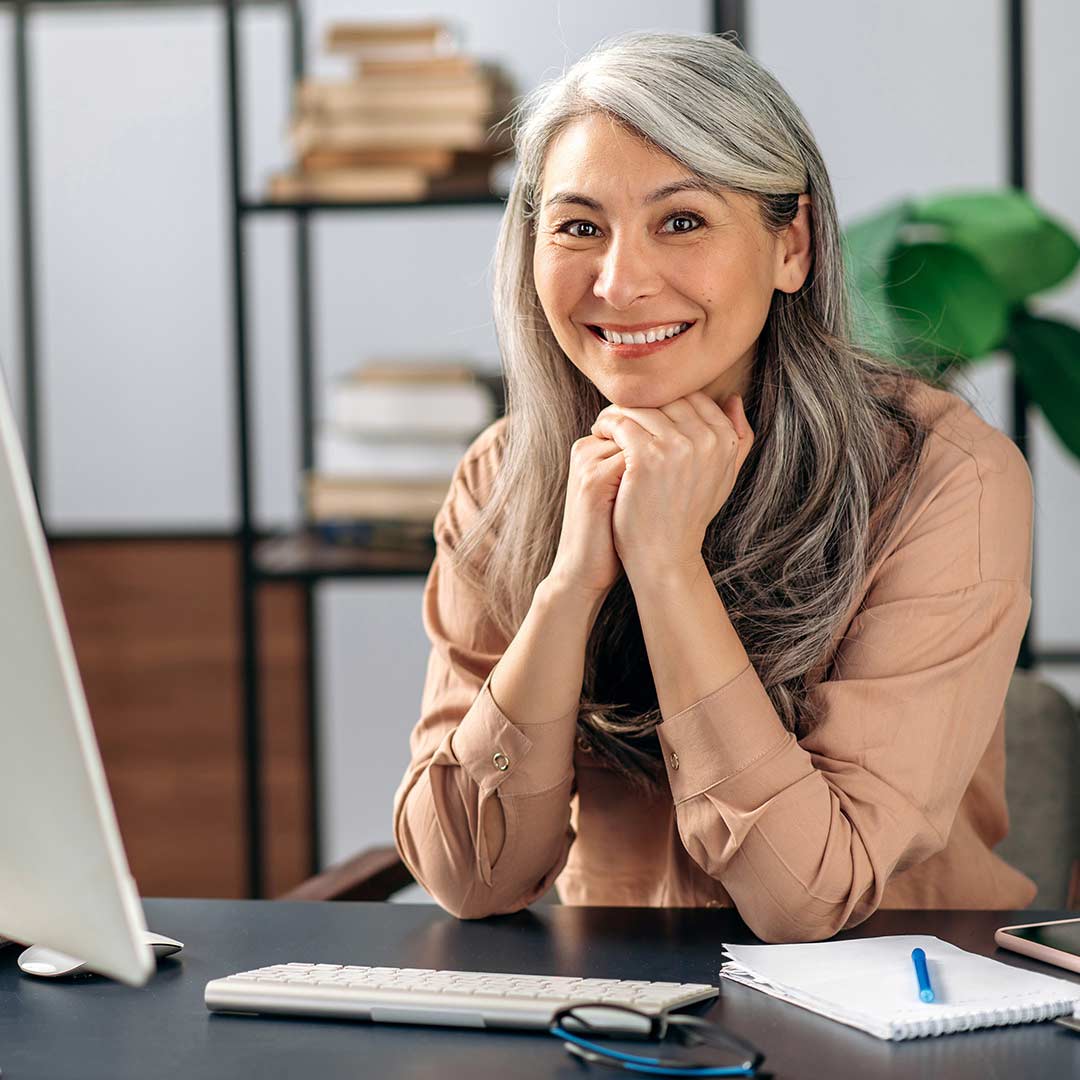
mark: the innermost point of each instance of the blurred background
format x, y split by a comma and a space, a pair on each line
239, 243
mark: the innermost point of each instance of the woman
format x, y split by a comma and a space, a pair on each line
725, 616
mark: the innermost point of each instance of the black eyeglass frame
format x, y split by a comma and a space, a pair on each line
686, 1025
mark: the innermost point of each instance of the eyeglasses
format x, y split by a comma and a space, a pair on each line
604, 1034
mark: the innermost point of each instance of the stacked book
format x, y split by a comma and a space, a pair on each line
415, 121
393, 433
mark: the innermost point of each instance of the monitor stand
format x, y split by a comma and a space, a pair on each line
52, 964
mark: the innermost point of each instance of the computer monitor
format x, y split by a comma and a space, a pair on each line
64, 877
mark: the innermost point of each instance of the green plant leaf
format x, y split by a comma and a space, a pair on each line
1047, 357
1006, 210
945, 300
1052, 259
1025, 250
869, 241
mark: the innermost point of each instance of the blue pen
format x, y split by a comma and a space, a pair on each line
926, 991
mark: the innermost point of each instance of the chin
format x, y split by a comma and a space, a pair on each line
644, 396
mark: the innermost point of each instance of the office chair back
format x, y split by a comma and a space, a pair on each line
1042, 767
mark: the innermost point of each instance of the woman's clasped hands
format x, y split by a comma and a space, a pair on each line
643, 487
680, 464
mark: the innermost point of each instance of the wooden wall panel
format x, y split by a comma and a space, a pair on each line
285, 744
155, 628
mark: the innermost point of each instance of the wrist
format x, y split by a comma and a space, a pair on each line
558, 593
668, 577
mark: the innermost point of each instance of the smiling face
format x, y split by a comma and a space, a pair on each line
614, 251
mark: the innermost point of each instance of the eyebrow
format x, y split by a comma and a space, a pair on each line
691, 183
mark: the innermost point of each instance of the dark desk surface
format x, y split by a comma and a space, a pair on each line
94, 1027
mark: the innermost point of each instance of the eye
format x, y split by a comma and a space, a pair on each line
696, 221
567, 226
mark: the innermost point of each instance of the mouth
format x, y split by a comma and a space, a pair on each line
639, 347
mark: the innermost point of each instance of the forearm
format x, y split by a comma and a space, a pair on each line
514, 744
693, 648
537, 686
538, 679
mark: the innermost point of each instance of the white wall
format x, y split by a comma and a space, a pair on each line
132, 188
10, 366
1053, 165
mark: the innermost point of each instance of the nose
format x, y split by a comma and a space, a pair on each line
627, 273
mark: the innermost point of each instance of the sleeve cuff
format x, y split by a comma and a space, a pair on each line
720, 735
499, 754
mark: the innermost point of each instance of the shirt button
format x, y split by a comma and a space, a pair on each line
583, 744
674, 759
500, 761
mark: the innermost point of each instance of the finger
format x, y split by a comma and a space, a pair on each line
597, 448
652, 420
613, 451
739, 421
614, 465
709, 411
623, 430
608, 470
687, 418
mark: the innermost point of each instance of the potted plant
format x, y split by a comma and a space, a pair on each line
942, 281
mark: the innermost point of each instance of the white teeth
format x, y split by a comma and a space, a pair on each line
642, 337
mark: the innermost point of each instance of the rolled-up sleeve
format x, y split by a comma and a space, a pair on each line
804, 834
482, 814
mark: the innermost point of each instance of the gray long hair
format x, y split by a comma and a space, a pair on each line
836, 445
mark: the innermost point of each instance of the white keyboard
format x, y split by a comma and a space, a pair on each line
478, 999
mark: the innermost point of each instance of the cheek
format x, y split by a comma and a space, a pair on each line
558, 281
556, 297
733, 289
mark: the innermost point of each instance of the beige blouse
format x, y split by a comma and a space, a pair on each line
895, 800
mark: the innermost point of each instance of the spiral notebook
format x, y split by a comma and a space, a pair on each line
870, 984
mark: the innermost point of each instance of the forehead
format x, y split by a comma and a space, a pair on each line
597, 149
599, 163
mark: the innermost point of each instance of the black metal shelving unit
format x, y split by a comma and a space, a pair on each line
294, 557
